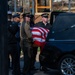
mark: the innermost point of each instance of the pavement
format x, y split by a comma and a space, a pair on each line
37, 65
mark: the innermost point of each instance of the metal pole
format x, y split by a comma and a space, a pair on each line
51, 5
33, 7
23, 6
69, 6
3, 38
15, 9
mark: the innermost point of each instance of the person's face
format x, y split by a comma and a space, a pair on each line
27, 19
44, 19
16, 19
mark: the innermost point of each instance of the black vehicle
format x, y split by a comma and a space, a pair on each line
59, 51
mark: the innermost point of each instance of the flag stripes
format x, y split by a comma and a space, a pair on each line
39, 35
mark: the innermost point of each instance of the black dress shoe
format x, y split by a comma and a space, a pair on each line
28, 74
44, 69
33, 68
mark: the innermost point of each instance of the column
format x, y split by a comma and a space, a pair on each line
3, 38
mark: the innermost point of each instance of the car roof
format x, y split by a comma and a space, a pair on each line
64, 27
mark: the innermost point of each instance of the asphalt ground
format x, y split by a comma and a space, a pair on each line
38, 71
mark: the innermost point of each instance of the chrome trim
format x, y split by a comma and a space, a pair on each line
61, 40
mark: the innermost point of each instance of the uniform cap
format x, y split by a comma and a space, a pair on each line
16, 15
26, 15
45, 15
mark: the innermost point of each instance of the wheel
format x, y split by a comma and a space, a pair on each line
67, 65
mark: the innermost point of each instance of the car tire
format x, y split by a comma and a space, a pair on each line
67, 65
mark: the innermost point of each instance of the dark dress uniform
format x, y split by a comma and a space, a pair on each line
26, 37
41, 24
12, 47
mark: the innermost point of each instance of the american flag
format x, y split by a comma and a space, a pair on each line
39, 35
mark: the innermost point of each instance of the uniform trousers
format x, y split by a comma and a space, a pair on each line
13, 51
33, 58
27, 51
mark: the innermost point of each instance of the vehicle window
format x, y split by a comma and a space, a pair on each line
53, 16
63, 28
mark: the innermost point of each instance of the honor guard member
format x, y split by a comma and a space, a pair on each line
43, 23
16, 19
12, 47
26, 43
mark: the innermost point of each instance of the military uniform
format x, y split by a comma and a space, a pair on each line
40, 24
12, 47
26, 37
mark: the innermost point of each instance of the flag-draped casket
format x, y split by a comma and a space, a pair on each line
39, 35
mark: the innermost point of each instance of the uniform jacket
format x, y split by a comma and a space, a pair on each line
18, 32
41, 24
12, 30
25, 32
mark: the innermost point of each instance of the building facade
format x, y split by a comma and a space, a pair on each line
40, 6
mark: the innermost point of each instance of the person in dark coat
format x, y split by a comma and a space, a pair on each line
16, 19
43, 23
12, 47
